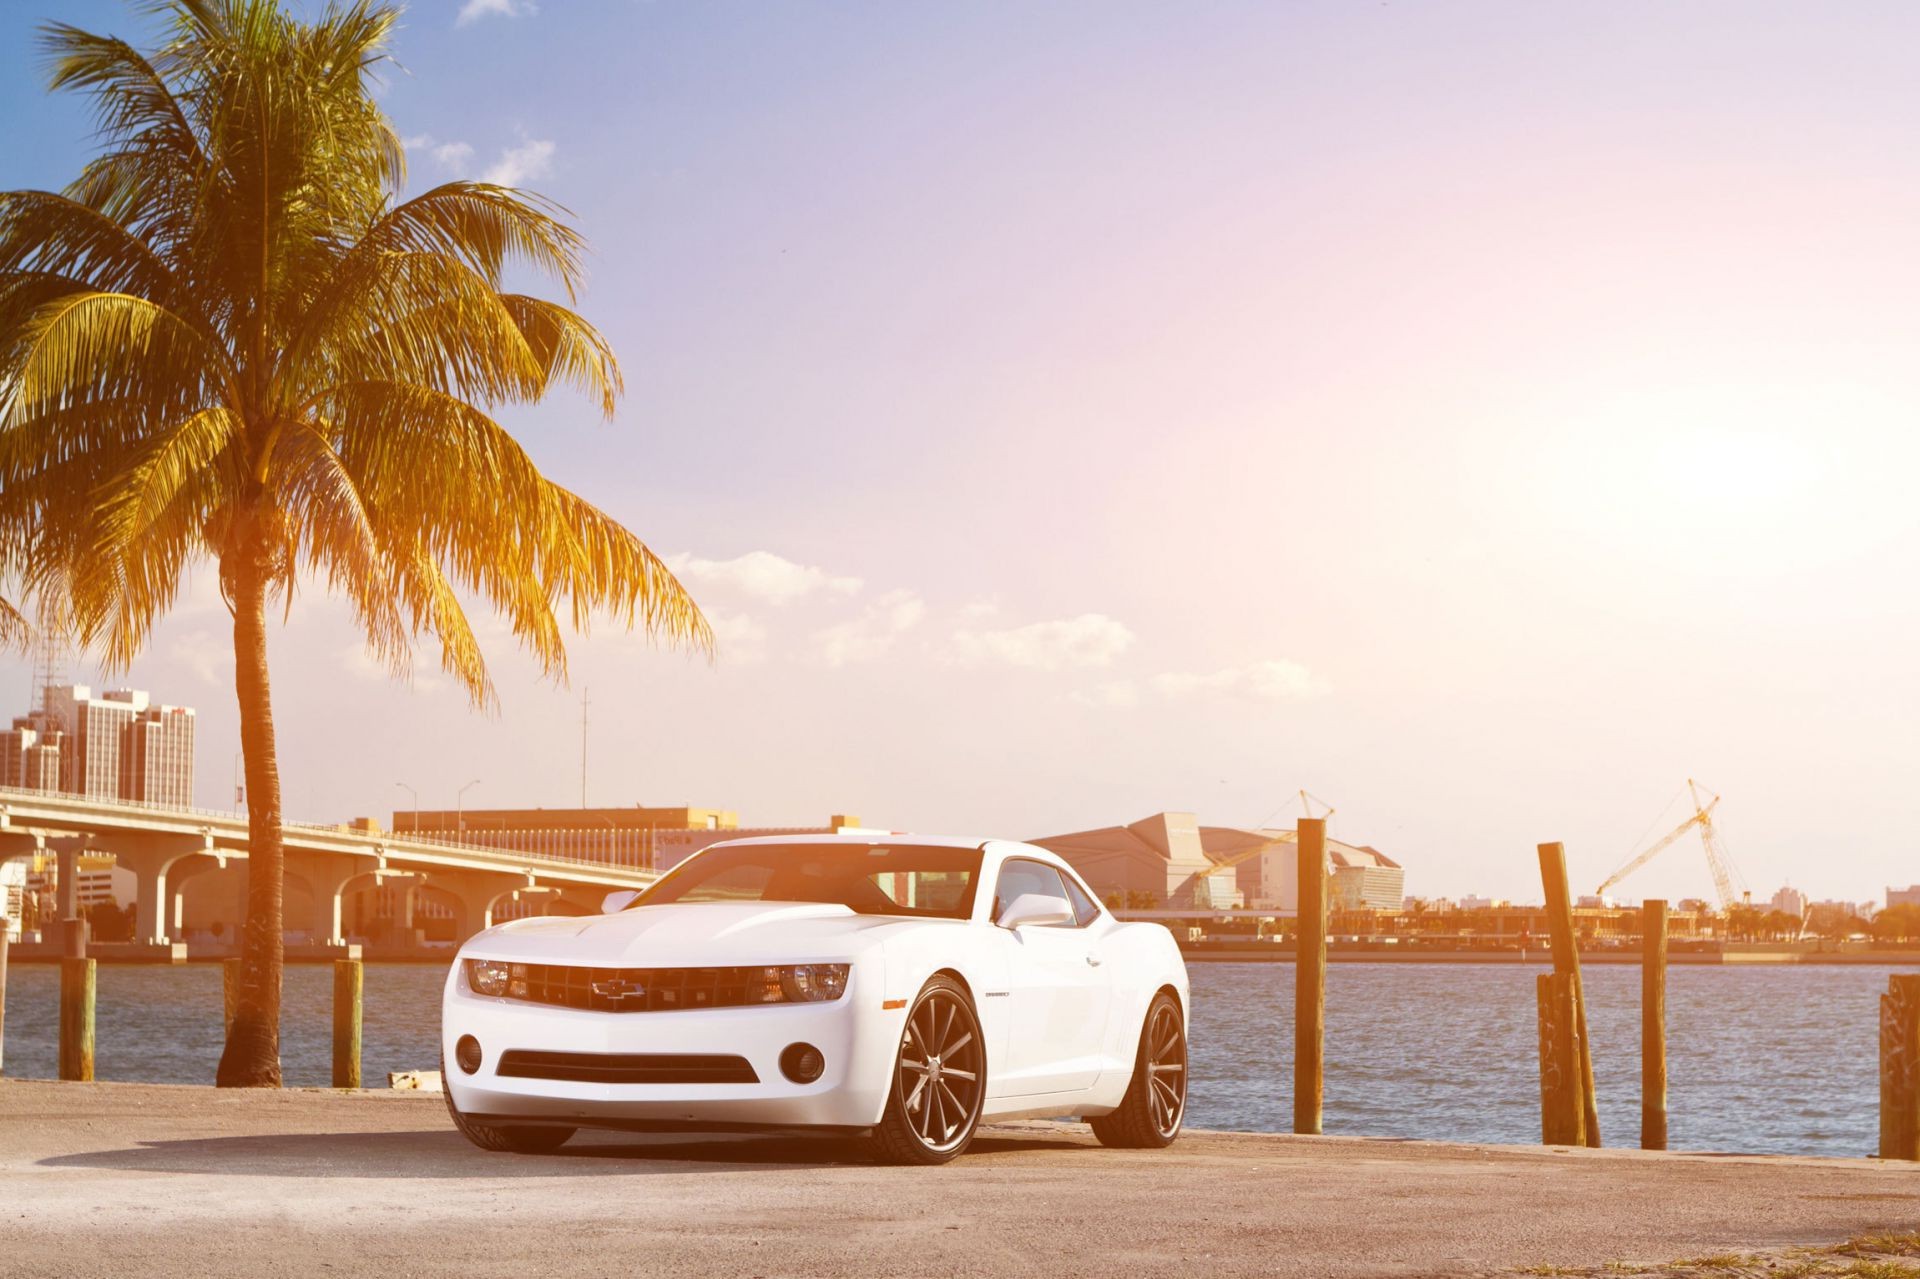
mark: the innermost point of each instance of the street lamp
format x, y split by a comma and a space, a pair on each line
460, 811
416, 805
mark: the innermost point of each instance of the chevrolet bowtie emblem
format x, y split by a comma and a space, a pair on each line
619, 988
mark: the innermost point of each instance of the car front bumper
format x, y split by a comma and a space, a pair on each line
858, 1043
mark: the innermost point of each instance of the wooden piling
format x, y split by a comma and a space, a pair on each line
229, 991
1562, 1100
76, 1019
5, 925
1653, 1025
347, 988
1310, 975
1566, 962
1900, 1068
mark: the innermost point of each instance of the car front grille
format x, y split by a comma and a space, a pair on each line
641, 990
627, 1068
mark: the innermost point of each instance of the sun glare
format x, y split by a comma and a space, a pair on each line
1764, 475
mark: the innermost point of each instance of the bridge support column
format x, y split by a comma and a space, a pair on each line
175, 911
478, 892
329, 875
151, 858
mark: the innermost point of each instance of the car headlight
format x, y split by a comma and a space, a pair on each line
813, 983
487, 976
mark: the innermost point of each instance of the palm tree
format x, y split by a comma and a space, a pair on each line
231, 338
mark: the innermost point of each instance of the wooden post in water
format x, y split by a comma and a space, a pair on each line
5, 925
347, 984
1310, 974
229, 992
76, 1019
1653, 1025
1900, 1068
1562, 1103
1566, 962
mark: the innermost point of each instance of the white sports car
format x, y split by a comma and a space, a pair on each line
899, 987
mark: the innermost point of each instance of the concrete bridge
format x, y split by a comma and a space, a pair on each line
165, 848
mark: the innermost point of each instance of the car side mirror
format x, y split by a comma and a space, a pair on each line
614, 903
1031, 910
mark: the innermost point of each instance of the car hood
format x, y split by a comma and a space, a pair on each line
691, 935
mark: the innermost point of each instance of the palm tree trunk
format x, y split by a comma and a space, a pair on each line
252, 1056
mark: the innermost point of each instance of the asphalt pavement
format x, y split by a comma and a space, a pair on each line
134, 1179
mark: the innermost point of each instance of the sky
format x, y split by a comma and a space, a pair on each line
1484, 416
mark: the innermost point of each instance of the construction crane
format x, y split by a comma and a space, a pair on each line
1727, 880
1307, 801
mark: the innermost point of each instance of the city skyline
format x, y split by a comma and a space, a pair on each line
1392, 404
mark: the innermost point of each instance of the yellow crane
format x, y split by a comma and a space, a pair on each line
1727, 881
1307, 801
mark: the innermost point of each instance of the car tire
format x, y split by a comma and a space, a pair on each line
940, 1068
1155, 1105
505, 1138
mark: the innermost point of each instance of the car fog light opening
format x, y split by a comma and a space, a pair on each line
467, 1053
802, 1063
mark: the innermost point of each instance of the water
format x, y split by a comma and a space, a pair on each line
1780, 1060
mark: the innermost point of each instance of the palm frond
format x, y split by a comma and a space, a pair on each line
230, 337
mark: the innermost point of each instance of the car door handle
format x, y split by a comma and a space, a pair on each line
1092, 962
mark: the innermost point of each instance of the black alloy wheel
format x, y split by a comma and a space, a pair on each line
1150, 1114
939, 1080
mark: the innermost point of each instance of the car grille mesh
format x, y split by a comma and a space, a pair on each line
642, 990
627, 1068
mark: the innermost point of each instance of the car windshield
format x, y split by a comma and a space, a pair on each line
903, 879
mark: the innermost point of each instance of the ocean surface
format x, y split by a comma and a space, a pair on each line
1776, 1059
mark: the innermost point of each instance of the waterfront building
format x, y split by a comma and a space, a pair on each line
1166, 860
1473, 902
661, 838
1790, 901
1360, 877
671, 847
13, 895
1908, 896
624, 836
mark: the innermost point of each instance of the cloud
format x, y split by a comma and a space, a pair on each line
531, 159
761, 575
204, 654
741, 640
873, 633
1276, 680
1091, 639
474, 10
1118, 693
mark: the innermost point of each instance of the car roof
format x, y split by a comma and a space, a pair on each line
867, 838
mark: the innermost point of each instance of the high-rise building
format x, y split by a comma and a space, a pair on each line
1790, 901
30, 755
156, 758
117, 745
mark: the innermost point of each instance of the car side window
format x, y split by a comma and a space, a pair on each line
1019, 877
1085, 909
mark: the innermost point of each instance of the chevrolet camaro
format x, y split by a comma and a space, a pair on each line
899, 988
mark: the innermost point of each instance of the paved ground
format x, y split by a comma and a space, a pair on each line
131, 1179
